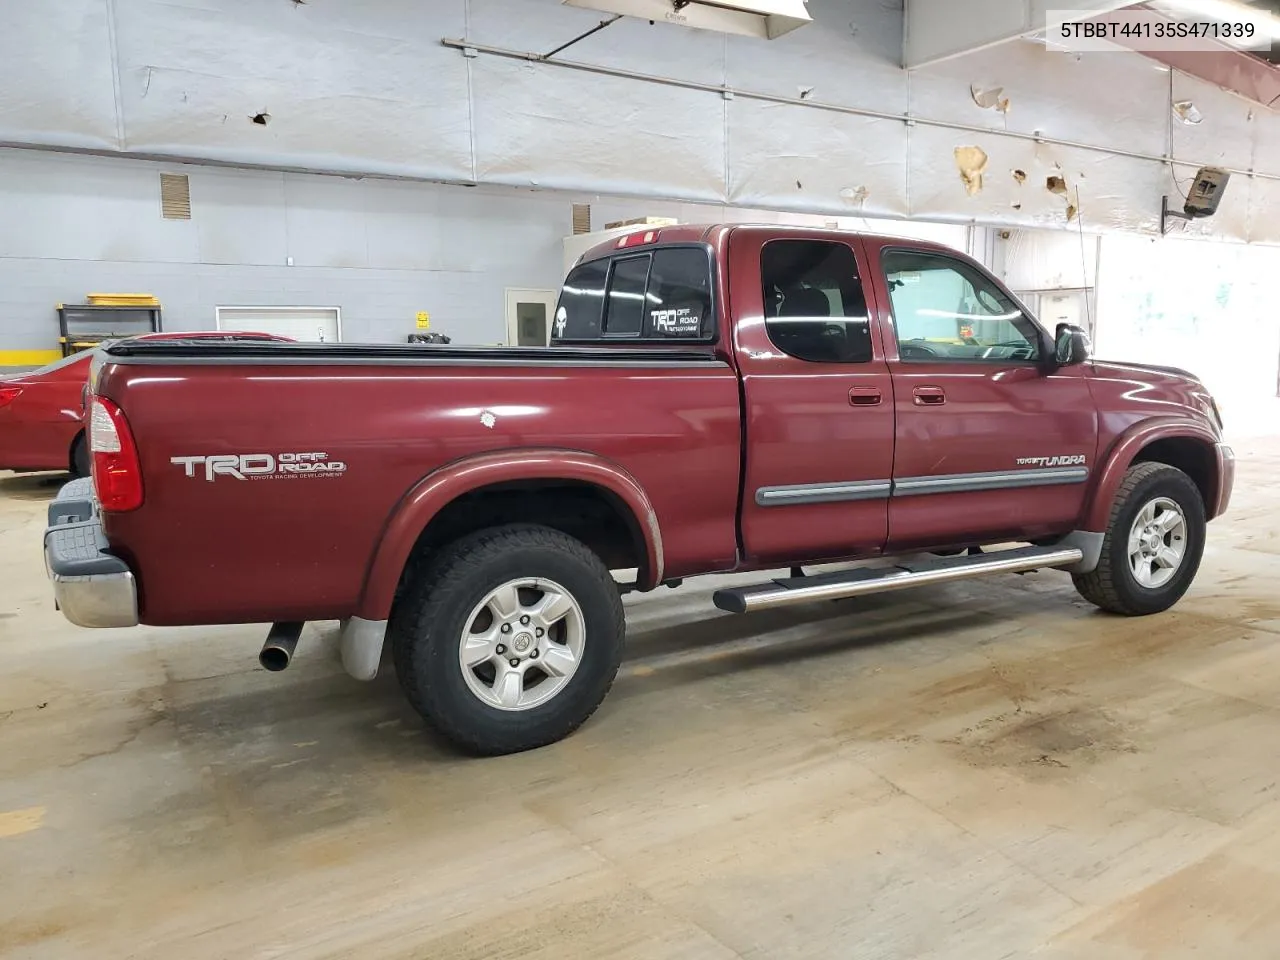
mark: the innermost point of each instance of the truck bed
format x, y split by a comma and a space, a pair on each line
218, 549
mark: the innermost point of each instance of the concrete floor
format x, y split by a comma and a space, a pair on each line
982, 770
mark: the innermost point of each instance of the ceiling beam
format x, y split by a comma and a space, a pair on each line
935, 30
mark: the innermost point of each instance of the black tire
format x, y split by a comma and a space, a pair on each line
1112, 586
80, 463
430, 618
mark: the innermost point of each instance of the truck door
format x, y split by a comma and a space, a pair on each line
817, 398
990, 442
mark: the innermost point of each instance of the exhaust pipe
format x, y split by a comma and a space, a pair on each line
277, 652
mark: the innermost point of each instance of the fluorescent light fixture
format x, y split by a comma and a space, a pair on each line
763, 19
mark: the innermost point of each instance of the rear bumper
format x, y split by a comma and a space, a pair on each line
91, 587
1226, 479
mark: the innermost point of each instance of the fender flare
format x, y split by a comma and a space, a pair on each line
442, 486
1122, 453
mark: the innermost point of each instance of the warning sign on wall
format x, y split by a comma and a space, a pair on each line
424, 320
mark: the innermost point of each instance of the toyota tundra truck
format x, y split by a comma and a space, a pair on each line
714, 399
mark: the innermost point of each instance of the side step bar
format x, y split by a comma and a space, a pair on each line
904, 573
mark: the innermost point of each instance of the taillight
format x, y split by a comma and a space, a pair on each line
117, 474
8, 395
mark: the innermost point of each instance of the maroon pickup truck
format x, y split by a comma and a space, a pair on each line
716, 399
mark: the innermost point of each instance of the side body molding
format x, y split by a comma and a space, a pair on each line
439, 488
1122, 453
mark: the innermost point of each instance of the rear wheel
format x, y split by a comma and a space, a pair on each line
1153, 543
510, 639
80, 463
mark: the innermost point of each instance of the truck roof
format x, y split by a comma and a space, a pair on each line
712, 232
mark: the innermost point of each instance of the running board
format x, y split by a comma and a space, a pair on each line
904, 573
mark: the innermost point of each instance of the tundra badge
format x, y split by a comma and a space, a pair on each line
1074, 460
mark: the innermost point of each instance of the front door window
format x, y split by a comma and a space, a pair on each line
944, 310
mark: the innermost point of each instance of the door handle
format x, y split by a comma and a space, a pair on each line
864, 396
929, 396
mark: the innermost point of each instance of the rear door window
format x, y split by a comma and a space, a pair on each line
814, 305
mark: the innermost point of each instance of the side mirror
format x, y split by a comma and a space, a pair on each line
1072, 345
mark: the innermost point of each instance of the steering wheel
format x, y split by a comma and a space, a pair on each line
914, 351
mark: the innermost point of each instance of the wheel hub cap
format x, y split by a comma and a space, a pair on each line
522, 644
1157, 542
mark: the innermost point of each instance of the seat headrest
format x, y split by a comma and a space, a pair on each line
804, 302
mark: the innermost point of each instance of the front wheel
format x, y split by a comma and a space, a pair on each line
1153, 544
510, 640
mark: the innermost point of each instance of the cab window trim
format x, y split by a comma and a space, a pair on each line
1044, 341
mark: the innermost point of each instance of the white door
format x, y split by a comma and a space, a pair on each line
308, 324
529, 315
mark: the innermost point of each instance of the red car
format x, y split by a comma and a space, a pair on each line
40, 411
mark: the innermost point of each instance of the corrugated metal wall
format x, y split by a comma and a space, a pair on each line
369, 88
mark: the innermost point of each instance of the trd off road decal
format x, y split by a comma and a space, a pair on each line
1074, 460
676, 322
261, 466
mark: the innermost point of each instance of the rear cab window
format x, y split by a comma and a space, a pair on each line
662, 295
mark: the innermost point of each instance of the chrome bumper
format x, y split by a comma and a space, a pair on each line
91, 587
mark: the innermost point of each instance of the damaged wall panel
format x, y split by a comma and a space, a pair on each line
1220, 128
795, 158
348, 87
1114, 191
368, 89
1052, 94
56, 75
544, 126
